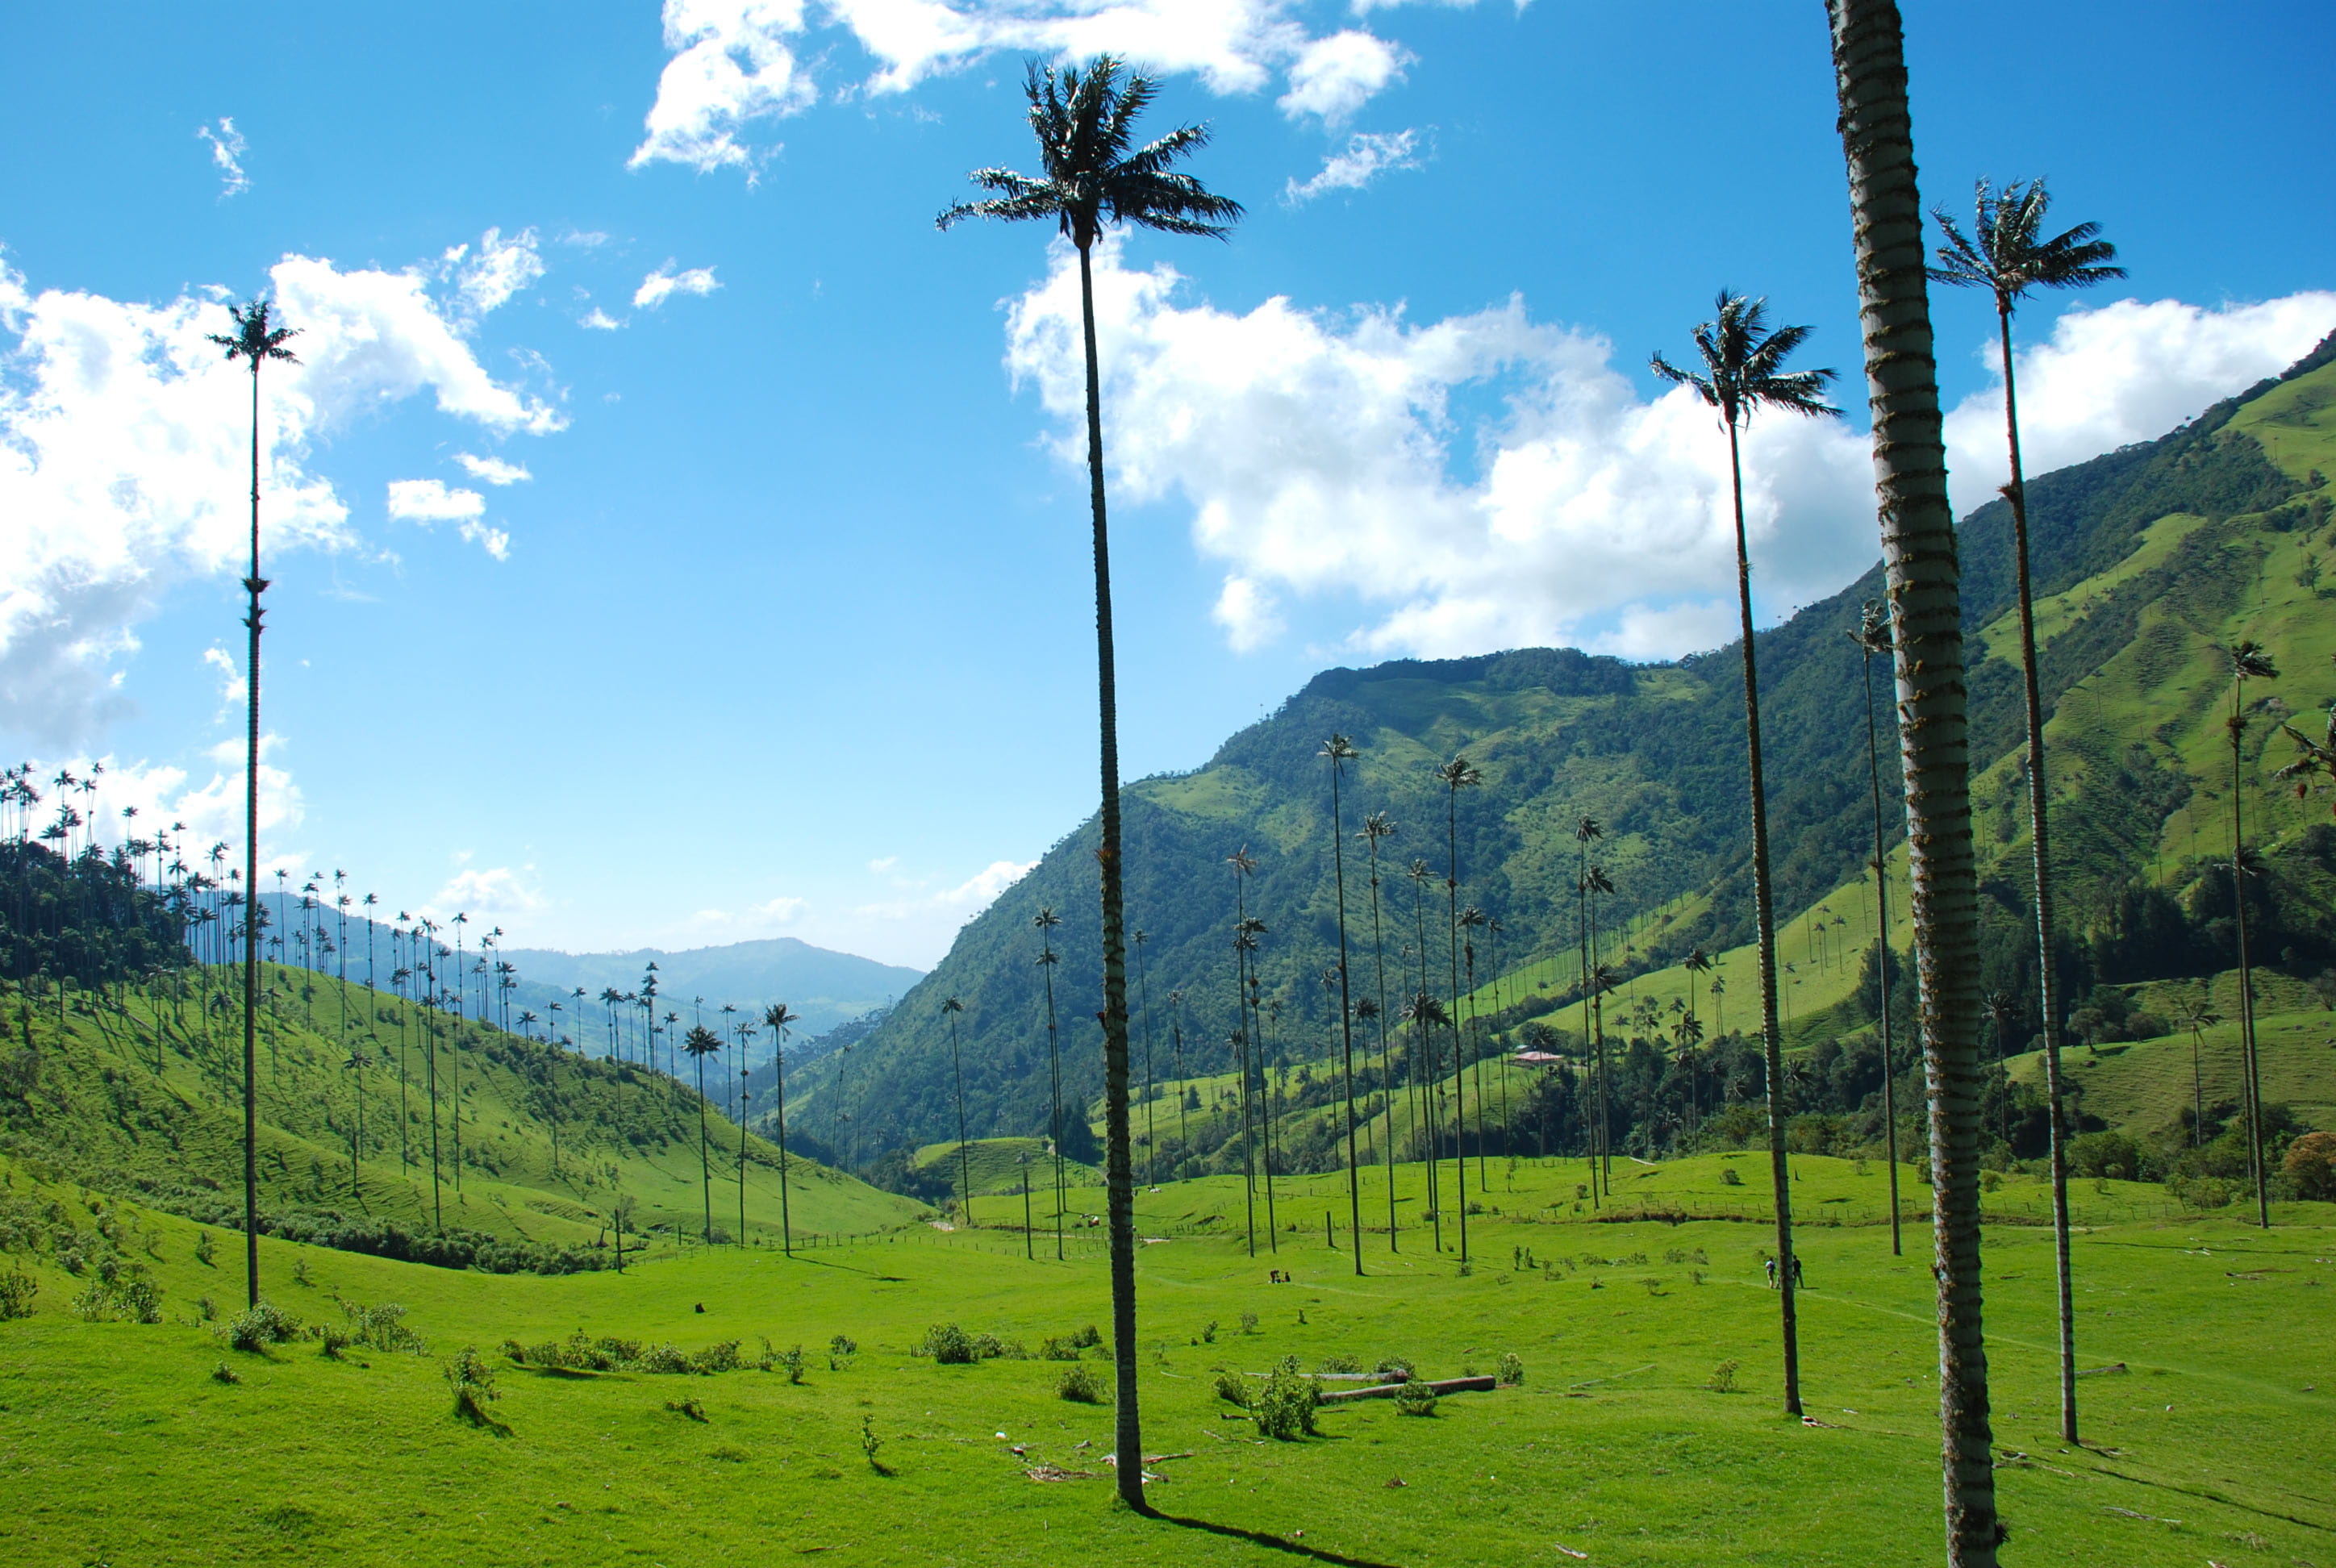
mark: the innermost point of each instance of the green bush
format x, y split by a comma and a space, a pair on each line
1081, 1385
471, 1376
18, 1290
1052, 1349
1511, 1372
1730, 1177
1284, 1407
950, 1345
1338, 1364
1723, 1378
258, 1328
383, 1327
1233, 1388
1415, 1398
1398, 1365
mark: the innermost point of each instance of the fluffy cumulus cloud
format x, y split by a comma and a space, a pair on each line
427, 500
487, 894
495, 471
1366, 156
2126, 372
120, 800
735, 61
226, 156
665, 282
488, 273
1327, 458
124, 449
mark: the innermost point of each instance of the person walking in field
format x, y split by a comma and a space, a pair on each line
1771, 1264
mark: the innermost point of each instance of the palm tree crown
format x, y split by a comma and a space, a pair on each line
1085, 121
1744, 363
2003, 255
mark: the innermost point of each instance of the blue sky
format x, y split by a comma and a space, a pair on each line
787, 628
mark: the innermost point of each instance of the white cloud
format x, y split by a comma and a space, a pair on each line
499, 268
1322, 460
486, 895
1366, 155
226, 156
193, 817
730, 63
2125, 371
428, 501
1333, 77
963, 901
599, 320
665, 282
124, 452
735, 61
495, 471
493, 540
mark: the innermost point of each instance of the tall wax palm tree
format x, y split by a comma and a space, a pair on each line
1425, 1016
1244, 943
1744, 372
745, 1035
779, 1019
1378, 825
701, 1043
2249, 660
1096, 176
1341, 751
2199, 1017
1586, 833
1472, 919
256, 340
2006, 254
1918, 542
1046, 921
950, 1009
1456, 775
1600, 982
1872, 637
1176, 1034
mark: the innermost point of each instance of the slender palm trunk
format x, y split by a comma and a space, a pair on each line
1119, 1170
255, 585
742, 1147
1054, 1092
1764, 914
1918, 542
1386, 1081
1459, 1081
2247, 1066
1881, 957
964, 1154
704, 1156
1346, 1017
2047, 978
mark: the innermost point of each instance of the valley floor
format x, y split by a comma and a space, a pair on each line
2210, 1412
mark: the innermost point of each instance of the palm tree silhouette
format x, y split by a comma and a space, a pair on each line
1872, 637
950, 1009
1177, 1034
746, 1071
255, 340
1456, 775
2249, 660
1919, 556
1425, 1015
1471, 920
1744, 372
2006, 254
777, 1019
1244, 943
701, 1043
1094, 176
1143, 993
1341, 751
1378, 825
2198, 1015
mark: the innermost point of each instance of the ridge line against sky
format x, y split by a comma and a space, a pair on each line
622, 438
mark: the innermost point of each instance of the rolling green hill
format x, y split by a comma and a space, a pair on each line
127, 1088
2149, 559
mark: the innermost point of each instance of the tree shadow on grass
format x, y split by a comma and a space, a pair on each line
1267, 1538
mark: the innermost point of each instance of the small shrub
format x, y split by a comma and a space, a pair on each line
664, 1360
1730, 1177
1248, 1322
869, 1442
332, 1341
1081, 1385
18, 1290
791, 1360
1087, 1339
471, 1376
383, 1327
223, 1373
206, 1310
1511, 1372
1398, 1365
1284, 1407
1415, 1399
689, 1408
840, 1351
950, 1345
1723, 1378
1053, 1348
258, 1328
1209, 1334
204, 1253
301, 1271
1338, 1364
1233, 1388
714, 1358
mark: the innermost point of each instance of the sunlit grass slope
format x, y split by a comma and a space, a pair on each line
2211, 1433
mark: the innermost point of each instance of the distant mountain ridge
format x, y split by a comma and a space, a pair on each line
825, 987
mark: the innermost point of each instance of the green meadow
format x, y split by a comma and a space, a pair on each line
1647, 1428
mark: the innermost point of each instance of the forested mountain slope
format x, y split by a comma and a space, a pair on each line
2147, 559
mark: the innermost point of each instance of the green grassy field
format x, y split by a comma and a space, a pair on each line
2210, 1425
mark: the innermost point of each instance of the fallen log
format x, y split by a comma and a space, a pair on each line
1441, 1387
